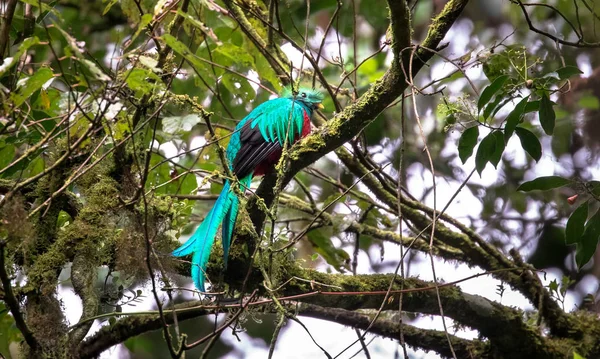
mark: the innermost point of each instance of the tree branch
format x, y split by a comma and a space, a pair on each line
7, 17
426, 339
132, 326
509, 335
83, 276
13, 304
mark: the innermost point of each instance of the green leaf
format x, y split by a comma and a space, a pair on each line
577, 356
185, 185
553, 286
266, 71
95, 70
142, 26
568, 71
231, 54
544, 183
513, 118
10, 333
467, 142
199, 25
492, 106
547, 115
532, 106
499, 149
589, 241
150, 63
530, 143
576, 224
137, 80
490, 91
238, 85
321, 241
593, 187
177, 125
63, 220
71, 41
486, 150
7, 153
182, 50
32, 84
500, 106
35, 167
9, 62
45, 6
108, 6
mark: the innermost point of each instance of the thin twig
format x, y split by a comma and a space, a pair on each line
13, 304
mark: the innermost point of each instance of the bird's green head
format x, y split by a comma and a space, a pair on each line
311, 98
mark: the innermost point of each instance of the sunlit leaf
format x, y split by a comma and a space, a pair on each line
32, 84
181, 49
149, 62
180, 124
138, 80
9, 62
238, 85
95, 70
108, 6
231, 54
200, 26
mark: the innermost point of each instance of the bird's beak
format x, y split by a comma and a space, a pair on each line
320, 106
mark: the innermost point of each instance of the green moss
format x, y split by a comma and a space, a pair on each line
311, 143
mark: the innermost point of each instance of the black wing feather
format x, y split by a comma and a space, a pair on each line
254, 150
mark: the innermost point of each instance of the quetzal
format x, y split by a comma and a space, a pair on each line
254, 148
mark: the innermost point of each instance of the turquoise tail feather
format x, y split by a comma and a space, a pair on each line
227, 229
201, 242
230, 218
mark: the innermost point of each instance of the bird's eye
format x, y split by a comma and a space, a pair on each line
303, 94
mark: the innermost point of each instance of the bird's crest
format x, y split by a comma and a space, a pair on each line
304, 94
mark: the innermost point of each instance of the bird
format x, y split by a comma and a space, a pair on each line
254, 148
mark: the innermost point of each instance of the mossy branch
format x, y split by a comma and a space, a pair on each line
509, 335
83, 277
426, 339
